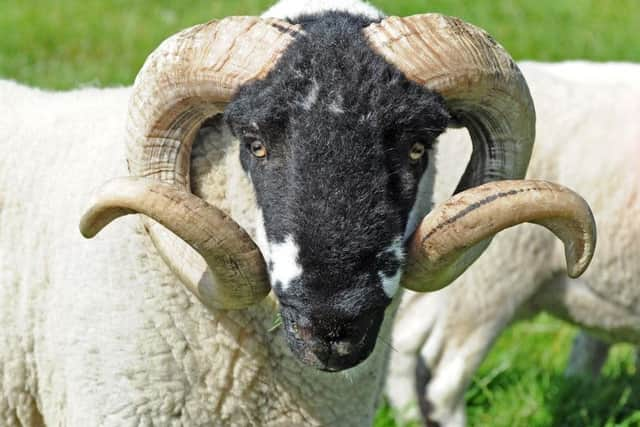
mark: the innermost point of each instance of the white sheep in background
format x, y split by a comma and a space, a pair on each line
133, 328
588, 137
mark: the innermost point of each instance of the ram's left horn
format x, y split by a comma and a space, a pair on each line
451, 237
190, 77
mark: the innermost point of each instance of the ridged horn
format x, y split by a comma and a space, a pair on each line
483, 88
452, 235
190, 77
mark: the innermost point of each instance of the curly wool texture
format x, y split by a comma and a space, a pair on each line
588, 138
100, 332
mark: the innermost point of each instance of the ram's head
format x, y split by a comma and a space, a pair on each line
336, 119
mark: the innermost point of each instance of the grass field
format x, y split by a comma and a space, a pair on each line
70, 43
66, 43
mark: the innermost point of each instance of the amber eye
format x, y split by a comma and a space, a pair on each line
258, 149
416, 152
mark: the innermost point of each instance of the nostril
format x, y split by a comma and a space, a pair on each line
342, 348
321, 350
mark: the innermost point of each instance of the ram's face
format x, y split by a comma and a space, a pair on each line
336, 142
335, 155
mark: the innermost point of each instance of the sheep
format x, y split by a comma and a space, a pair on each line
588, 137
168, 318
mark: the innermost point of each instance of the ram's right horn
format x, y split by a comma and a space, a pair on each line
453, 235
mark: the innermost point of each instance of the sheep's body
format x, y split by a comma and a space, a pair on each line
588, 138
101, 332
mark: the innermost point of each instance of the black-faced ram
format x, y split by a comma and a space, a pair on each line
323, 156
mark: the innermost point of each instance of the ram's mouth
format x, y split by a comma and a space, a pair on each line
336, 349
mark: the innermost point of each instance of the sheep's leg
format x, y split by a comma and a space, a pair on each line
588, 355
408, 337
400, 387
447, 363
436, 350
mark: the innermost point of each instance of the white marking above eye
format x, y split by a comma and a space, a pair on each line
335, 106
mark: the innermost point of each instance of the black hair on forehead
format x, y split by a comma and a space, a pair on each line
332, 57
338, 122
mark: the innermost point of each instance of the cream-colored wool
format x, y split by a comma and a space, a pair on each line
100, 332
588, 138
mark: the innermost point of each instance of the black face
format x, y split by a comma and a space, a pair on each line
335, 141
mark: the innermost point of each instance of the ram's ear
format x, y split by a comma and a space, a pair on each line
454, 234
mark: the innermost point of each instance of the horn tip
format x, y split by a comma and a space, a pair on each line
578, 264
87, 225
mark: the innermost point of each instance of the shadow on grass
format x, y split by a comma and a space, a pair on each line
605, 401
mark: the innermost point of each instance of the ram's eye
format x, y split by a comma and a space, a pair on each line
258, 149
416, 152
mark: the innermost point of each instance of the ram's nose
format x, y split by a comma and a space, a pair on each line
329, 355
331, 348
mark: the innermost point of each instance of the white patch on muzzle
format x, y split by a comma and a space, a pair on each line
281, 257
284, 257
390, 284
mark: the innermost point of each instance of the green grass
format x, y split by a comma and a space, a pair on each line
70, 43
522, 383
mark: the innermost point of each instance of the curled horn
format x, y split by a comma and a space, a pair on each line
190, 77
453, 235
486, 93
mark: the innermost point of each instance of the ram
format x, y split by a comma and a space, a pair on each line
588, 137
310, 134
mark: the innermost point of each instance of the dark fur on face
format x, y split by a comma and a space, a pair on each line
338, 123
